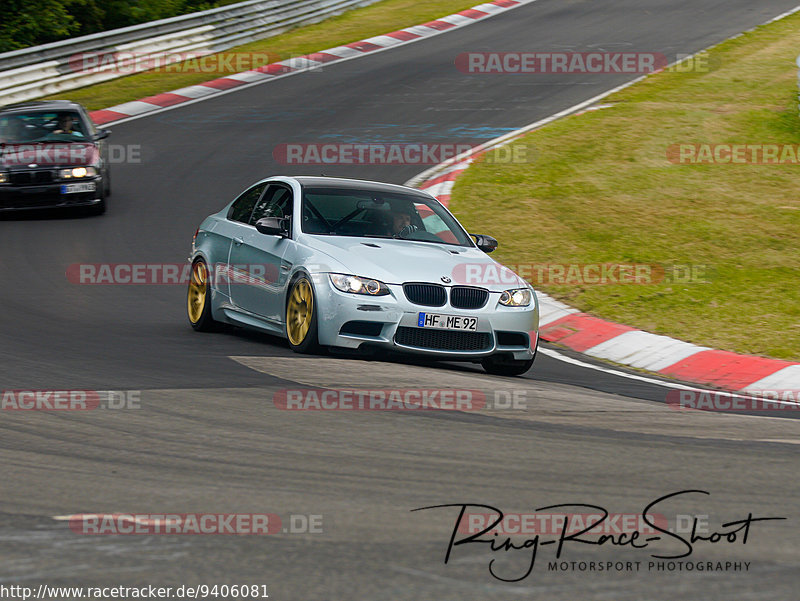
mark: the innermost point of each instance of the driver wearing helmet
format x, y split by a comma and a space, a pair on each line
401, 219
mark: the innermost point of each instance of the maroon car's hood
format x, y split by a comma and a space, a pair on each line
54, 154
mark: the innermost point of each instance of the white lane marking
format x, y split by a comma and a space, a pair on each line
551, 310
779, 17
454, 19
197, 91
299, 63
134, 107
247, 76
342, 52
644, 350
556, 355
218, 93
787, 378
383, 40
164, 519
615, 372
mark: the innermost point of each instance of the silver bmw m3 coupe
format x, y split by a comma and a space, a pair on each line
350, 264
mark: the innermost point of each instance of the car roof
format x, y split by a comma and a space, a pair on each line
54, 105
354, 184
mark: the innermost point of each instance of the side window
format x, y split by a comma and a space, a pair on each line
88, 124
276, 202
243, 206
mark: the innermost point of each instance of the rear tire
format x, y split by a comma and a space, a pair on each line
301, 317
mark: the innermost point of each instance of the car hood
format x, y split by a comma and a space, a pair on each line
400, 261
74, 154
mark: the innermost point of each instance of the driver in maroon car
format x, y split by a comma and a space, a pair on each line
65, 123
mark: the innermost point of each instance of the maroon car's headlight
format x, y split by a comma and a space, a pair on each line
77, 172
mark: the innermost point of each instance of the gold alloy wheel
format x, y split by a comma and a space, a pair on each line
299, 312
198, 290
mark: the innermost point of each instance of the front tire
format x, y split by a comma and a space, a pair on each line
301, 317
498, 365
199, 299
99, 208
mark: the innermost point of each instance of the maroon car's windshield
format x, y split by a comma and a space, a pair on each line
43, 126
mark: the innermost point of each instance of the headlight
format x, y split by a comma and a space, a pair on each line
521, 297
356, 285
3, 178
77, 172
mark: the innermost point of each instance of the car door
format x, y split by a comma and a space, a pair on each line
257, 260
225, 231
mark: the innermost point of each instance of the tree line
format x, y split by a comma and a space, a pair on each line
32, 22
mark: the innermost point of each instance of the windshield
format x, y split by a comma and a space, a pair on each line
374, 214
42, 126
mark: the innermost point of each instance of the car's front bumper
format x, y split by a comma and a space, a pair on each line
391, 322
47, 196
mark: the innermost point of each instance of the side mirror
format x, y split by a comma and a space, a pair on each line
486, 243
273, 226
101, 134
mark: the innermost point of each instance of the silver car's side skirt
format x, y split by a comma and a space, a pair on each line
248, 319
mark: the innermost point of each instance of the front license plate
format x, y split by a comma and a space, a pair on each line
82, 187
447, 322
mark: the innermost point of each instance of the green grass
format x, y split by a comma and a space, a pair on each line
601, 189
376, 19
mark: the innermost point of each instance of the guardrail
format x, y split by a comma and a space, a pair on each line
56, 67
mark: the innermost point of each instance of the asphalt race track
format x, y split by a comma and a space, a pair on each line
208, 437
